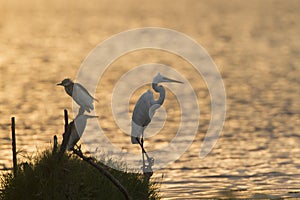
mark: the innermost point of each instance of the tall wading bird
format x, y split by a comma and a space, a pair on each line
80, 95
145, 109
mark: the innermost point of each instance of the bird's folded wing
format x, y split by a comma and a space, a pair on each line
82, 97
85, 90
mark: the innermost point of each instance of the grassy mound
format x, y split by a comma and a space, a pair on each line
71, 178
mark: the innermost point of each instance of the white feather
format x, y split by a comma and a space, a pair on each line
142, 115
77, 129
82, 97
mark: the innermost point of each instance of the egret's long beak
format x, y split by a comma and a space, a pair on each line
165, 79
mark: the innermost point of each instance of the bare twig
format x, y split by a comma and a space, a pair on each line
103, 171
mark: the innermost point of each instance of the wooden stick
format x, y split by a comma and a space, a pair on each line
66, 119
14, 148
54, 150
66, 135
104, 172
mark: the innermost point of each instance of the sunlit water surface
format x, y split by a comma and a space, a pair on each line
255, 45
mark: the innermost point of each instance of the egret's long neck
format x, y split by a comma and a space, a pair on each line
161, 90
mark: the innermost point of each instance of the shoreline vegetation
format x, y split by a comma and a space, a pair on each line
53, 174
71, 178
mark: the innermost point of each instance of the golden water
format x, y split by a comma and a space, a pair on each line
255, 45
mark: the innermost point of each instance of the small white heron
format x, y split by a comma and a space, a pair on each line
77, 127
145, 109
80, 95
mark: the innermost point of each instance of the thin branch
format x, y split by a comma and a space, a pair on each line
103, 171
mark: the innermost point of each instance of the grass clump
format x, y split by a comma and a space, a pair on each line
71, 178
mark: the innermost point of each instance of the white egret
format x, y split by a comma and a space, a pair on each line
77, 127
80, 95
145, 109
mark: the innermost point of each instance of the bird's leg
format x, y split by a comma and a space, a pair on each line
143, 158
143, 151
141, 143
150, 160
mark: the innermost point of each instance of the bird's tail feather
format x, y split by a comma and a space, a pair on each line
95, 99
